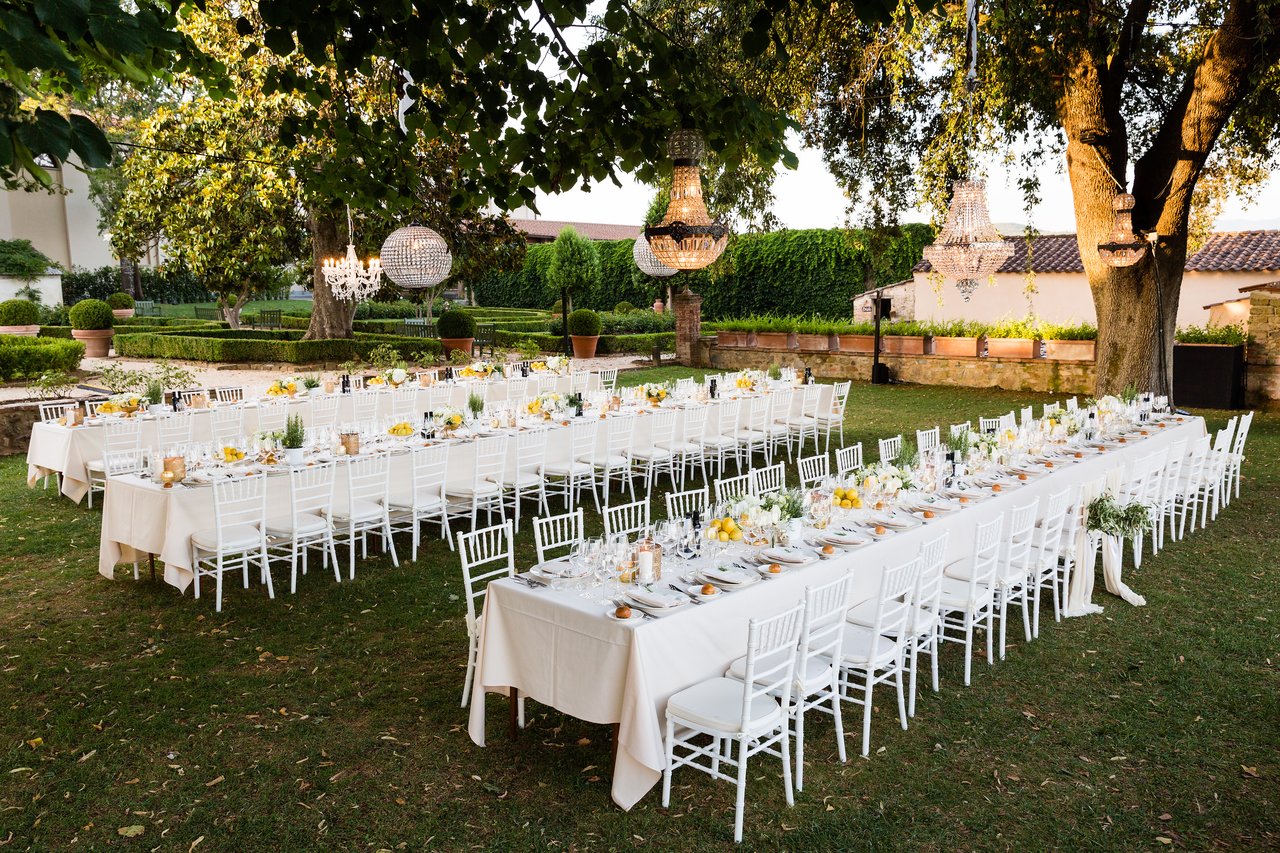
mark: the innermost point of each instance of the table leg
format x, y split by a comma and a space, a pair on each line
614, 729
514, 721
151, 558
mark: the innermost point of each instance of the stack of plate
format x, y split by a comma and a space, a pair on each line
658, 602
843, 537
727, 577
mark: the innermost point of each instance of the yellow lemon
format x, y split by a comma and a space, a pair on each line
846, 504
715, 525
857, 502
723, 536
736, 536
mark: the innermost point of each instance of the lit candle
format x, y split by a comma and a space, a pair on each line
644, 564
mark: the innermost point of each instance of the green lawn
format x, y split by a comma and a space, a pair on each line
330, 719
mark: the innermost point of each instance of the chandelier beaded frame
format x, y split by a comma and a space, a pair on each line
348, 277
969, 247
648, 262
687, 238
416, 257
1125, 248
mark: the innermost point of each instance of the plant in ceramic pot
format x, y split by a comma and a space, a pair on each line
1069, 342
733, 333
1013, 339
584, 329
153, 393
19, 317
905, 337
814, 334
121, 304
92, 323
956, 338
856, 337
457, 331
774, 332
292, 440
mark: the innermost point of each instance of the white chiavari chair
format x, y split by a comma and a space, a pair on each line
233, 394
874, 655
613, 461
272, 415
554, 535
117, 435
1072, 405
658, 458
958, 430
608, 379
580, 382
424, 500
848, 460
226, 424
189, 394
1215, 466
1193, 495
123, 462
1027, 415
687, 446
890, 448
769, 480
1236, 457
404, 402
439, 397
305, 525
968, 604
1013, 574
324, 409
91, 407
778, 421
238, 537
686, 386
804, 424
1167, 492
487, 554
1051, 409
175, 428
989, 425
466, 499
364, 405
686, 503
728, 488
524, 479
626, 519
718, 445
517, 389
572, 474
749, 712
357, 382
927, 440
1047, 548
367, 509
833, 420
813, 469
1009, 421
52, 412
752, 434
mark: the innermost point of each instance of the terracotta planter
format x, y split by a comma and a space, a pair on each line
773, 340
451, 344
1013, 348
958, 347
97, 342
20, 331
903, 344
584, 346
814, 343
658, 307
122, 313
857, 343
1071, 350
733, 339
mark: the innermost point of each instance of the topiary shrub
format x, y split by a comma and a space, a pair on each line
30, 357
120, 300
91, 314
557, 307
623, 308
584, 323
456, 324
19, 312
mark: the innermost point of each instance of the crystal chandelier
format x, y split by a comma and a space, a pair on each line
1125, 248
969, 246
687, 238
348, 277
647, 261
415, 257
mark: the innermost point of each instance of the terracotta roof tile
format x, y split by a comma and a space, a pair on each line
545, 230
1049, 253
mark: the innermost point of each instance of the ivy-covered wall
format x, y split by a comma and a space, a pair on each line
789, 272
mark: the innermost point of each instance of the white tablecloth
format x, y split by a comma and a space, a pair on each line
560, 650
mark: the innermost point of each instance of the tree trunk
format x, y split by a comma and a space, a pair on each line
330, 316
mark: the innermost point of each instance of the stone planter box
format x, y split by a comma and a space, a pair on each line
814, 343
857, 343
774, 340
733, 339
958, 347
904, 344
1209, 375
20, 331
1013, 348
1071, 350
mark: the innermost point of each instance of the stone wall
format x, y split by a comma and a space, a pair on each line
16, 420
1262, 356
1013, 374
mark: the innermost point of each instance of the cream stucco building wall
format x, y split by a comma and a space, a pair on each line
63, 225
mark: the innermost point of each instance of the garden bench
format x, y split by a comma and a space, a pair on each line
204, 313
484, 338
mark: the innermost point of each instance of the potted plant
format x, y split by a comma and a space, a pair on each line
775, 332
1209, 367
856, 337
904, 337
1070, 343
813, 334
733, 333
1013, 339
292, 440
584, 329
153, 393
475, 405
92, 324
19, 317
956, 338
457, 331
121, 304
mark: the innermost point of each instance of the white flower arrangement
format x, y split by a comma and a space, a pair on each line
547, 403
558, 364
771, 509
482, 369
449, 418
885, 477
396, 376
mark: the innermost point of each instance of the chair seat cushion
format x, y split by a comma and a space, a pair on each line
683, 447
802, 421
652, 453
962, 570
816, 676
359, 511
863, 648
95, 465
717, 704
564, 469
921, 619
308, 524
519, 479
425, 501
467, 490
715, 441
612, 460
235, 537
955, 595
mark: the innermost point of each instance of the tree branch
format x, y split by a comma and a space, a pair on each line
559, 36
1131, 30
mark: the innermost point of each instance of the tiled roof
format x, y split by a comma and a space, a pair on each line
1238, 251
546, 230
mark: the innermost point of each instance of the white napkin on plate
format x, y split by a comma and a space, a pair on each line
785, 555
658, 598
725, 575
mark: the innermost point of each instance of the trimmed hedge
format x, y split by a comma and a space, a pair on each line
605, 345
29, 357
19, 312
261, 345
170, 323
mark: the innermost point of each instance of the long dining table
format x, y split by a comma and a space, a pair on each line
558, 648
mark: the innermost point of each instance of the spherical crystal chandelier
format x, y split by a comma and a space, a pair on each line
969, 247
1125, 248
348, 277
415, 257
648, 262
687, 238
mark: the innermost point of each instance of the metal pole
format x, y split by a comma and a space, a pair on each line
564, 320
876, 377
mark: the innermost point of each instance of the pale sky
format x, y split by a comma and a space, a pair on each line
808, 197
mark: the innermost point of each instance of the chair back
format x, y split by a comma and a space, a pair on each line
730, 413
894, 603
695, 423
53, 411
848, 460
1072, 404
491, 457
927, 440
404, 402
553, 532
1172, 473
988, 425
227, 424
958, 430
517, 388
927, 595
822, 626
767, 481
582, 438
232, 394
438, 396
237, 501
121, 434
531, 450
187, 395
1051, 409
813, 469
986, 555
810, 397
311, 490
627, 519
487, 554
1019, 543
609, 379
175, 428
272, 415
369, 478
890, 448
840, 398
1242, 433
1009, 421
755, 415
683, 504
1193, 465
662, 428
324, 409
364, 406
430, 470
771, 658
780, 403
728, 488
620, 433
1027, 415
580, 381
119, 462
1053, 523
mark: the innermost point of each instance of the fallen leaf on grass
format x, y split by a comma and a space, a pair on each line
132, 831
1251, 772
584, 741
35, 742
1166, 816
215, 780
1164, 839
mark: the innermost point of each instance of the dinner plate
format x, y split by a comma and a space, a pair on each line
726, 576
636, 615
559, 570
790, 555
764, 572
657, 600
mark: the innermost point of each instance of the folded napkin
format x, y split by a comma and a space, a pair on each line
842, 537
785, 555
659, 598
725, 574
562, 569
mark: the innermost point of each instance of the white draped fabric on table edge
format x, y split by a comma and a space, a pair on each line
560, 649
141, 517
56, 449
